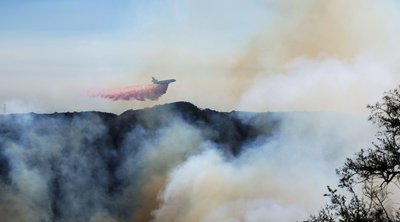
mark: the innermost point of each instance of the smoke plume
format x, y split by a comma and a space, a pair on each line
279, 178
171, 164
321, 55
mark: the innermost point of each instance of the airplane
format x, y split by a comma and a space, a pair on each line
167, 81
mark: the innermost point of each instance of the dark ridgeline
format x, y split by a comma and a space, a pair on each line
91, 144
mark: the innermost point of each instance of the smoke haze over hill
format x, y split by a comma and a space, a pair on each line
171, 163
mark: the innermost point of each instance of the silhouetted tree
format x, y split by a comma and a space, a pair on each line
373, 172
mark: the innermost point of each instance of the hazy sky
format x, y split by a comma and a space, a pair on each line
259, 55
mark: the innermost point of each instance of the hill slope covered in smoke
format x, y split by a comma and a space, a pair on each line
173, 162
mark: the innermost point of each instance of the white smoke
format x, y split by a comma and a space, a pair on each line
282, 178
322, 84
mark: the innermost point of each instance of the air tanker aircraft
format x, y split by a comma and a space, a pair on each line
139, 92
167, 81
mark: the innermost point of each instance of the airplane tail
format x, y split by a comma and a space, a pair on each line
154, 80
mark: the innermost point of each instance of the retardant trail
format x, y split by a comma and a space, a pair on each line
137, 92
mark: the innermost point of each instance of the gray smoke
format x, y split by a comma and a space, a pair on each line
281, 178
76, 167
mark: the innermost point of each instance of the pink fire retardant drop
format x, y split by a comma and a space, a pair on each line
137, 92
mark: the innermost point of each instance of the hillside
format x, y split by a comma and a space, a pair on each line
93, 166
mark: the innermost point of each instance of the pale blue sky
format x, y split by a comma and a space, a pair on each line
52, 29
41, 18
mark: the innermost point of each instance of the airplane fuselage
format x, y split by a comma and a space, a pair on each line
167, 81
